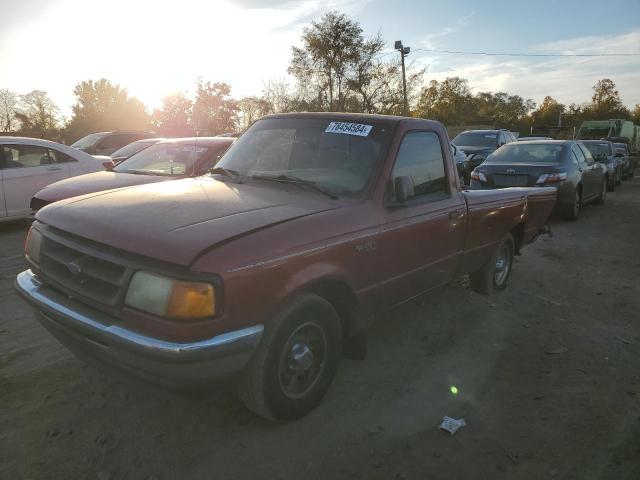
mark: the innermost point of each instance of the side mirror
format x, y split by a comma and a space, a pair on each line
403, 187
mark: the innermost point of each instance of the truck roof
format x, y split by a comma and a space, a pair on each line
357, 117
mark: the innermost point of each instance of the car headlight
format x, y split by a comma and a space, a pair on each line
32, 245
167, 297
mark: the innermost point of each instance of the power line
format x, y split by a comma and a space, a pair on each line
502, 54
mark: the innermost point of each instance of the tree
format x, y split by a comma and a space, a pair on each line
449, 101
549, 112
214, 111
101, 105
635, 115
250, 110
37, 115
174, 118
606, 102
330, 49
8, 106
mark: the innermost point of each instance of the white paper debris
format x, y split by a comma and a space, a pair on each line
451, 425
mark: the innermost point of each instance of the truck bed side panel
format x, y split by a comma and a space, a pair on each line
494, 213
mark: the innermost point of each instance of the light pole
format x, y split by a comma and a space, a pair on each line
404, 51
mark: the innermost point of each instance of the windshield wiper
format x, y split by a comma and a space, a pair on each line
226, 172
296, 181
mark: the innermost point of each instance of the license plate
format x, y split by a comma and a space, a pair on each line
510, 180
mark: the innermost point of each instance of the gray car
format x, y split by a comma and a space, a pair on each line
565, 164
604, 152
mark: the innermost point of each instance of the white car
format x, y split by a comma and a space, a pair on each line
29, 164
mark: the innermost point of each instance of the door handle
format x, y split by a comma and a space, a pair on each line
456, 214
51, 169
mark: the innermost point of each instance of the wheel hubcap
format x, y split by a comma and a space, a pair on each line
502, 264
303, 359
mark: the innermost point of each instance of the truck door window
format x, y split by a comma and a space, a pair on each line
420, 158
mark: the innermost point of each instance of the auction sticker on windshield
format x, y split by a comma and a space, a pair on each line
349, 128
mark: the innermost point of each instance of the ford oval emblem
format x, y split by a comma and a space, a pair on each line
74, 268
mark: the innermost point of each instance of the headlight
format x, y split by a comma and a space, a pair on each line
32, 245
167, 297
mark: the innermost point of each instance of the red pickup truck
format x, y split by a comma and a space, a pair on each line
270, 267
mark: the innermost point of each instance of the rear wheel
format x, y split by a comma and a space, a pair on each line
573, 210
296, 360
618, 176
603, 193
493, 276
611, 184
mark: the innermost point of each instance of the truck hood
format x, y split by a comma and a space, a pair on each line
175, 221
92, 183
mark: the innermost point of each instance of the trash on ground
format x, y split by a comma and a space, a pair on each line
451, 425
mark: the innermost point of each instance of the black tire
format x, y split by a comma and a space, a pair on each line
618, 177
572, 211
611, 186
603, 193
493, 275
266, 385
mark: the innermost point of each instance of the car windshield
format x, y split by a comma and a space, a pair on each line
339, 157
599, 148
476, 139
88, 141
595, 133
527, 153
167, 159
133, 148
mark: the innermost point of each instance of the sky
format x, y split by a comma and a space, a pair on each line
154, 48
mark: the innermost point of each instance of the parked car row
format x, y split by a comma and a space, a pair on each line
583, 171
270, 266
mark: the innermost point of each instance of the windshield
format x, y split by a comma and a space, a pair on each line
599, 148
594, 133
340, 157
133, 148
476, 139
527, 153
169, 159
88, 141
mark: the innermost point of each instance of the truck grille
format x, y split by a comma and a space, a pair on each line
79, 273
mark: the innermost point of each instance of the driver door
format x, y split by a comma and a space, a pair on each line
421, 242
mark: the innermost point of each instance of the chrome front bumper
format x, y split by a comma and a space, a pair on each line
95, 336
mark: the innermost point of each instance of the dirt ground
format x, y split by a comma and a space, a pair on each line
548, 378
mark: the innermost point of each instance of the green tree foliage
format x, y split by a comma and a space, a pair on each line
101, 105
452, 102
549, 112
330, 48
174, 118
8, 110
214, 110
449, 101
37, 115
606, 102
251, 109
635, 115
338, 69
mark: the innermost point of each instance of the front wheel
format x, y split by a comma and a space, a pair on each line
493, 276
296, 361
619, 177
